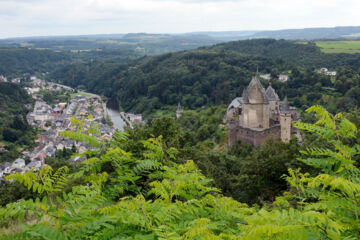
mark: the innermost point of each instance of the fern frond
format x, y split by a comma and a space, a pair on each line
81, 137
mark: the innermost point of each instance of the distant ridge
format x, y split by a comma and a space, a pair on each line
311, 33
341, 32
346, 32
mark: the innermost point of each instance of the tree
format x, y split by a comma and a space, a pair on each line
18, 124
152, 197
11, 135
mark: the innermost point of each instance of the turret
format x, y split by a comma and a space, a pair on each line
179, 111
255, 92
271, 94
255, 111
273, 99
285, 121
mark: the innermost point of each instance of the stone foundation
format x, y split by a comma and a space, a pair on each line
251, 136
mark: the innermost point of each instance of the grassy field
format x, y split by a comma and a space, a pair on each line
339, 46
80, 93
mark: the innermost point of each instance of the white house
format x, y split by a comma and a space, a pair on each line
18, 163
331, 73
283, 77
265, 76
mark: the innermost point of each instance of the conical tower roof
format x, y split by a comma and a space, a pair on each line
178, 108
271, 94
255, 90
285, 105
245, 96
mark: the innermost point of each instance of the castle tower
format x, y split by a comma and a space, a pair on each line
256, 112
273, 99
179, 111
285, 122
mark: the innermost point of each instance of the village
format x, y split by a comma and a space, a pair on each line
52, 120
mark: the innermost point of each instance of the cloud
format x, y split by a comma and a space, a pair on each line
54, 17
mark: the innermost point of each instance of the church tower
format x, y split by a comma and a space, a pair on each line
179, 111
256, 111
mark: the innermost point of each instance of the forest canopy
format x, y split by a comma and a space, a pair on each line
15, 133
115, 194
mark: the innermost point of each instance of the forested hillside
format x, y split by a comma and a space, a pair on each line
195, 78
303, 54
215, 75
287, 50
15, 61
15, 134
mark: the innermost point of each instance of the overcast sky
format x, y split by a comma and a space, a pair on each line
74, 17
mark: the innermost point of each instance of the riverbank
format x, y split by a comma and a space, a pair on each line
115, 116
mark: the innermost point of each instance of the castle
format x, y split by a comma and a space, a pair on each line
258, 115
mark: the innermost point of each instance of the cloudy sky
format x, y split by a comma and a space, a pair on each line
74, 17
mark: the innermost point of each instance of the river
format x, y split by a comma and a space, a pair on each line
114, 114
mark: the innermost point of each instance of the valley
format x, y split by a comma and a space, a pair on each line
179, 120
220, 125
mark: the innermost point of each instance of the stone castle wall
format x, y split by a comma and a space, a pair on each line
251, 136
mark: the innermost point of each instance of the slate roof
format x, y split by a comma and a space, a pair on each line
254, 83
34, 164
284, 105
236, 103
271, 94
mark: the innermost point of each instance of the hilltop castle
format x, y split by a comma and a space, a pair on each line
258, 115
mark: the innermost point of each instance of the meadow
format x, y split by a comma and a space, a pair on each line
88, 95
339, 46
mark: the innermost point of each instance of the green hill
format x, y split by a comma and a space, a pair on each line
217, 74
21, 60
303, 54
197, 78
